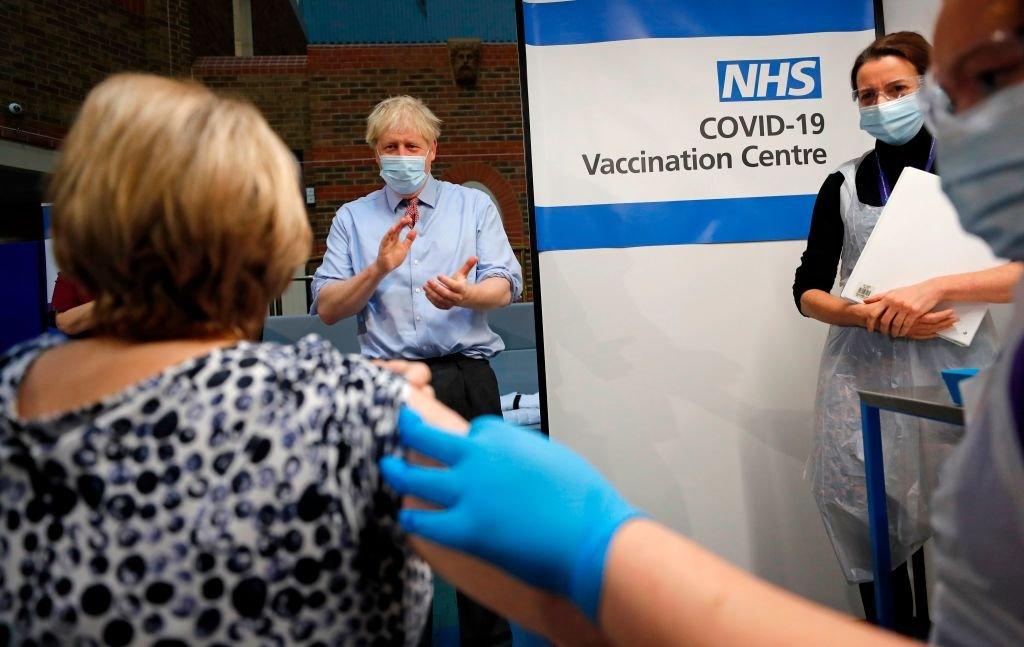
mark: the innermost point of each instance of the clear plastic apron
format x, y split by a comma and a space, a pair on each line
913, 448
979, 521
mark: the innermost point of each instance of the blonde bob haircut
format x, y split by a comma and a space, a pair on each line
179, 210
402, 114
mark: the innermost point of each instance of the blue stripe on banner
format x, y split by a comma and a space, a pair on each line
729, 220
572, 22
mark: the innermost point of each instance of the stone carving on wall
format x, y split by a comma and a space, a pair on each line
465, 59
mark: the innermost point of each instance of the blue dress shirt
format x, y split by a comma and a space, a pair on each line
456, 222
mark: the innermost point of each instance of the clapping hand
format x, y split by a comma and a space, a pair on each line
446, 292
393, 249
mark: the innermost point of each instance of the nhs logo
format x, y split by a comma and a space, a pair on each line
769, 79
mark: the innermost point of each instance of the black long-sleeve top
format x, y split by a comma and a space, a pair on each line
820, 261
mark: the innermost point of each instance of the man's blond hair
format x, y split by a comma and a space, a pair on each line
179, 210
402, 114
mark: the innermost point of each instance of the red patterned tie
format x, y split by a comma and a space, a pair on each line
412, 210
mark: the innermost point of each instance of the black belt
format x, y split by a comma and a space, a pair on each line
449, 360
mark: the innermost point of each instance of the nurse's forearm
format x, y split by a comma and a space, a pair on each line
662, 589
823, 306
340, 299
994, 285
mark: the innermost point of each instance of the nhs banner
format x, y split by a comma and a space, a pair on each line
676, 149
662, 122
795, 78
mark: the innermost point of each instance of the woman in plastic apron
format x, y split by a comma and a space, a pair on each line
902, 350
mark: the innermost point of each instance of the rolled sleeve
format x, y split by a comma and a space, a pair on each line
494, 253
337, 263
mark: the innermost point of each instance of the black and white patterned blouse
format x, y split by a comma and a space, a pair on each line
232, 499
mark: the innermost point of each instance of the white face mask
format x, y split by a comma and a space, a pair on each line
982, 156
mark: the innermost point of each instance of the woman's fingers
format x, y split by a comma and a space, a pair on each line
908, 324
871, 320
897, 324
885, 321
937, 317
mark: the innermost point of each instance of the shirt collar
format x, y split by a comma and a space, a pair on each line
427, 195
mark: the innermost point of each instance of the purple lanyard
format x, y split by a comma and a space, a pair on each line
883, 183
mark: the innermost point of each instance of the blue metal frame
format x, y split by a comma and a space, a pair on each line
878, 513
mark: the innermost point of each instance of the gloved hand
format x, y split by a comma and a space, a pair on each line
510, 496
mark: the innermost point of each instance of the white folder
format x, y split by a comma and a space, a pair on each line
918, 237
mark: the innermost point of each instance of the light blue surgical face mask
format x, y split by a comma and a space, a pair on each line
893, 122
983, 169
405, 174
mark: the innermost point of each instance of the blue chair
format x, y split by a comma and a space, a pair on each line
516, 367
289, 329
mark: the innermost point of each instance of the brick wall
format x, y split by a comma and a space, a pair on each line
277, 85
54, 52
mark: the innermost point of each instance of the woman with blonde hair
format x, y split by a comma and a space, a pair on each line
168, 480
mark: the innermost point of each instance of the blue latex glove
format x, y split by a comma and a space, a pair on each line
528, 505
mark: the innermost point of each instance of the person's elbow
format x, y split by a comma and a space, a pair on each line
327, 318
332, 313
506, 299
72, 323
329, 313
63, 322
802, 301
326, 303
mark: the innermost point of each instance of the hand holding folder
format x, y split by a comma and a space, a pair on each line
917, 238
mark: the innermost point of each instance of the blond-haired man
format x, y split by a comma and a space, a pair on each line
420, 262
